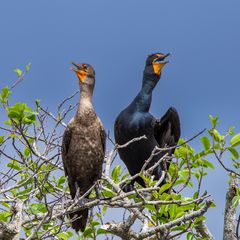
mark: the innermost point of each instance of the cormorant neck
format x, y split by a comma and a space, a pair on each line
150, 80
143, 100
85, 99
149, 83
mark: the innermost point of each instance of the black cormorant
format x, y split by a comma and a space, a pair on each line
135, 121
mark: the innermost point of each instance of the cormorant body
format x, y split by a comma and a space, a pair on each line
136, 121
83, 145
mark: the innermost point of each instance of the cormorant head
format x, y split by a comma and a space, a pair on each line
155, 63
85, 73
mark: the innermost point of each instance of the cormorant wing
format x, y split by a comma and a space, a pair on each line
67, 136
103, 135
167, 129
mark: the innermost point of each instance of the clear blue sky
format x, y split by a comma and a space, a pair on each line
202, 78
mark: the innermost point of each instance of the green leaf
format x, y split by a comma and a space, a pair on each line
87, 232
172, 210
21, 113
216, 135
1, 139
183, 174
190, 236
236, 201
4, 94
6, 205
37, 208
164, 187
176, 196
190, 183
186, 207
179, 182
206, 142
213, 205
235, 140
64, 235
230, 130
104, 209
28, 66
197, 174
4, 216
95, 223
150, 207
234, 152
29, 118
14, 165
101, 231
203, 153
18, 71
180, 228
116, 172
8, 122
61, 181
109, 193
199, 219
173, 169
24, 194
214, 120
207, 164
27, 152
13, 114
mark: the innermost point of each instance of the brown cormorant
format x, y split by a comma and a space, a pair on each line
135, 121
83, 145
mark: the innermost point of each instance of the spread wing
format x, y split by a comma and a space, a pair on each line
65, 146
167, 129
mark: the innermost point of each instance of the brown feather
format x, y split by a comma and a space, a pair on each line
83, 149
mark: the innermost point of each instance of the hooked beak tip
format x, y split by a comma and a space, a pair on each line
74, 64
167, 55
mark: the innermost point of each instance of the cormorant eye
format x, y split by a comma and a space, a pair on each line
85, 67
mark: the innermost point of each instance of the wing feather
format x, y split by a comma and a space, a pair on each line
103, 135
167, 129
67, 136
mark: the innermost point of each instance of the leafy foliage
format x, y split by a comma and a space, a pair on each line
21, 114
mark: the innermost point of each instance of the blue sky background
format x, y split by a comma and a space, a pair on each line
115, 37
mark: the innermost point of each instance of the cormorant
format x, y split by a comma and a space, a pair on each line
135, 121
83, 145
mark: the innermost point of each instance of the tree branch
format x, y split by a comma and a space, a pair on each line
230, 210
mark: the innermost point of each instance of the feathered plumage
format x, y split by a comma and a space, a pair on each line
136, 121
83, 145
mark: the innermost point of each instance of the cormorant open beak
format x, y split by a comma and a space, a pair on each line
81, 73
159, 63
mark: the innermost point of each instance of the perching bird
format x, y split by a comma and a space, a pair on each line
83, 145
136, 121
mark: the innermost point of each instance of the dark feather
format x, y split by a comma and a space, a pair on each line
167, 131
67, 135
135, 121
